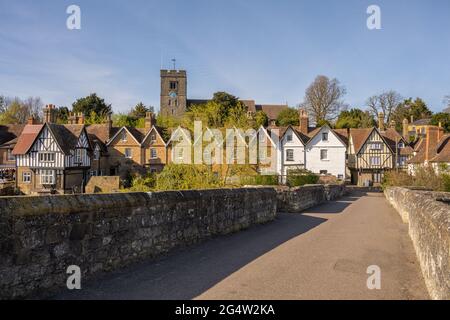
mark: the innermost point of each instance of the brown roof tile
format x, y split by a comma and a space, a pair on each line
26, 139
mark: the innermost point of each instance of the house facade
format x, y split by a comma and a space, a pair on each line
52, 159
326, 153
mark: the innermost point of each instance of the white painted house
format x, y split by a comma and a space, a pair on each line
292, 149
326, 153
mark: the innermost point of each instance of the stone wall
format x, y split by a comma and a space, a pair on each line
429, 229
298, 199
41, 236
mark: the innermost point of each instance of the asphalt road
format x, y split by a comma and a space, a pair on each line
323, 253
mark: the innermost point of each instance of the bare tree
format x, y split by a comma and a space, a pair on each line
447, 102
323, 99
15, 110
386, 102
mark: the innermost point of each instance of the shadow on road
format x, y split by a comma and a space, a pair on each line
186, 273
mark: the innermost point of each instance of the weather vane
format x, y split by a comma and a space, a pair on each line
174, 61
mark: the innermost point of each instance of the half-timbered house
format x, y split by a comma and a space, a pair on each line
52, 158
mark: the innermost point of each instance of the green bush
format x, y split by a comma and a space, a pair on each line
143, 184
260, 180
425, 177
300, 177
186, 176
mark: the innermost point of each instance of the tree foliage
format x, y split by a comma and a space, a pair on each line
323, 99
91, 103
261, 119
289, 116
442, 118
417, 109
18, 111
355, 118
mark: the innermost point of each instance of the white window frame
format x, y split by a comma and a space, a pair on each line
155, 155
153, 138
289, 138
326, 155
46, 157
79, 153
26, 177
290, 155
180, 153
373, 158
376, 146
124, 136
324, 134
47, 176
130, 155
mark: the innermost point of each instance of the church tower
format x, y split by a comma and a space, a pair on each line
173, 92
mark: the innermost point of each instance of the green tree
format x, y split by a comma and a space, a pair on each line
418, 109
62, 115
123, 120
355, 118
140, 111
91, 103
15, 113
443, 118
288, 117
261, 119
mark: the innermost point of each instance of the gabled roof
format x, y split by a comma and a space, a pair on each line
158, 130
360, 136
136, 134
66, 136
27, 138
185, 132
443, 150
318, 130
392, 137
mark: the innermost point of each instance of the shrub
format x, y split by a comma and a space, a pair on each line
425, 176
260, 180
300, 177
186, 176
143, 184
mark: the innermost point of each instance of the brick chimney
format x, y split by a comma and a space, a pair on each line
109, 124
431, 140
392, 124
80, 118
381, 121
149, 121
49, 113
303, 121
32, 120
405, 129
440, 131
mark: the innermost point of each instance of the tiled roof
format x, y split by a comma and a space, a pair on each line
359, 137
271, 110
66, 136
10, 132
443, 150
421, 122
99, 131
26, 139
343, 134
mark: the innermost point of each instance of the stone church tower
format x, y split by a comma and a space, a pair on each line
173, 92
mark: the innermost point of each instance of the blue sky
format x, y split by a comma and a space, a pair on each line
265, 50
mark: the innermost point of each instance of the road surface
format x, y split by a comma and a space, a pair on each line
322, 253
